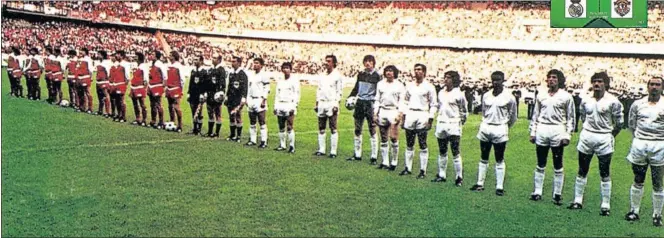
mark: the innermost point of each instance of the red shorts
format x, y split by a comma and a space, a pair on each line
156, 91
174, 93
118, 89
85, 81
138, 91
57, 77
17, 74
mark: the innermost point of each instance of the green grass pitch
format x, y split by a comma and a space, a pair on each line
73, 174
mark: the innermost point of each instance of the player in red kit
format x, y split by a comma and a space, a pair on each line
103, 93
174, 85
139, 89
156, 89
57, 75
84, 72
119, 74
72, 77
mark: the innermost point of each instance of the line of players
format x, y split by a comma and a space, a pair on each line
383, 101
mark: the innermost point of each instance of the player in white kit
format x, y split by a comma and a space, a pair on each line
646, 120
498, 115
602, 116
389, 96
286, 99
551, 127
328, 96
418, 112
452, 113
259, 89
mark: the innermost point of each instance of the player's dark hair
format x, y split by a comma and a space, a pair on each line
71, 53
424, 67
237, 59
85, 50
287, 65
16, 51
157, 55
456, 78
140, 57
34, 50
103, 54
656, 77
334, 59
49, 50
392, 68
259, 60
370, 58
121, 53
604, 77
561, 77
175, 55
56, 51
498, 75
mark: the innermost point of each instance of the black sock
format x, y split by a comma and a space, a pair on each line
232, 131
210, 125
217, 128
239, 131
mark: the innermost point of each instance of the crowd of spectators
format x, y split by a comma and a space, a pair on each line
528, 21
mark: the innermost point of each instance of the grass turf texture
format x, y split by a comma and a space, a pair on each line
73, 174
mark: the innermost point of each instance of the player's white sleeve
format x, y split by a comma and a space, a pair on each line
401, 100
534, 119
182, 75
570, 115
633, 113
376, 104
617, 111
266, 87
512, 111
404, 103
582, 112
433, 102
463, 108
297, 93
127, 67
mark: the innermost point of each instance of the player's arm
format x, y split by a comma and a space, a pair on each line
191, 84
376, 104
340, 88
266, 89
463, 108
182, 75
403, 109
633, 113
433, 105
244, 87
353, 93
297, 93
617, 113
571, 110
534, 120
222, 79
512, 112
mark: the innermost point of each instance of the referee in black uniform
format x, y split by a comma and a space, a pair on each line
216, 84
195, 93
237, 97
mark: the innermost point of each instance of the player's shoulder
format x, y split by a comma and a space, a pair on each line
640, 102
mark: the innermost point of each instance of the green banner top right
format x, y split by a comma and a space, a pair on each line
599, 13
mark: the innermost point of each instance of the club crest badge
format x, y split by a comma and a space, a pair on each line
622, 8
575, 9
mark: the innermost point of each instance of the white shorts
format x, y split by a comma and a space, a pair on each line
447, 129
416, 120
387, 117
283, 109
550, 135
254, 105
595, 143
325, 109
493, 133
644, 152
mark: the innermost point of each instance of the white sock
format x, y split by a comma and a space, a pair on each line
657, 202
374, 147
409, 159
635, 195
605, 190
481, 173
558, 181
358, 146
282, 139
442, 166
539, 181
252, 133
264, 133
334, 141
424, 159
291, 138
500, 175
458, 166
579, 186
395, 153
384, 152
321, 143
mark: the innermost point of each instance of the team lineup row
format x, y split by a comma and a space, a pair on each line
382, 102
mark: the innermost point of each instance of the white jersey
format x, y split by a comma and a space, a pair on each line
499, 110
420, 97
287, 91
601, 116
259, 84
556, 109
452, 106
145, 67
90, 64
389, 96
647, 121
330, 87
107, 66
28, 62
